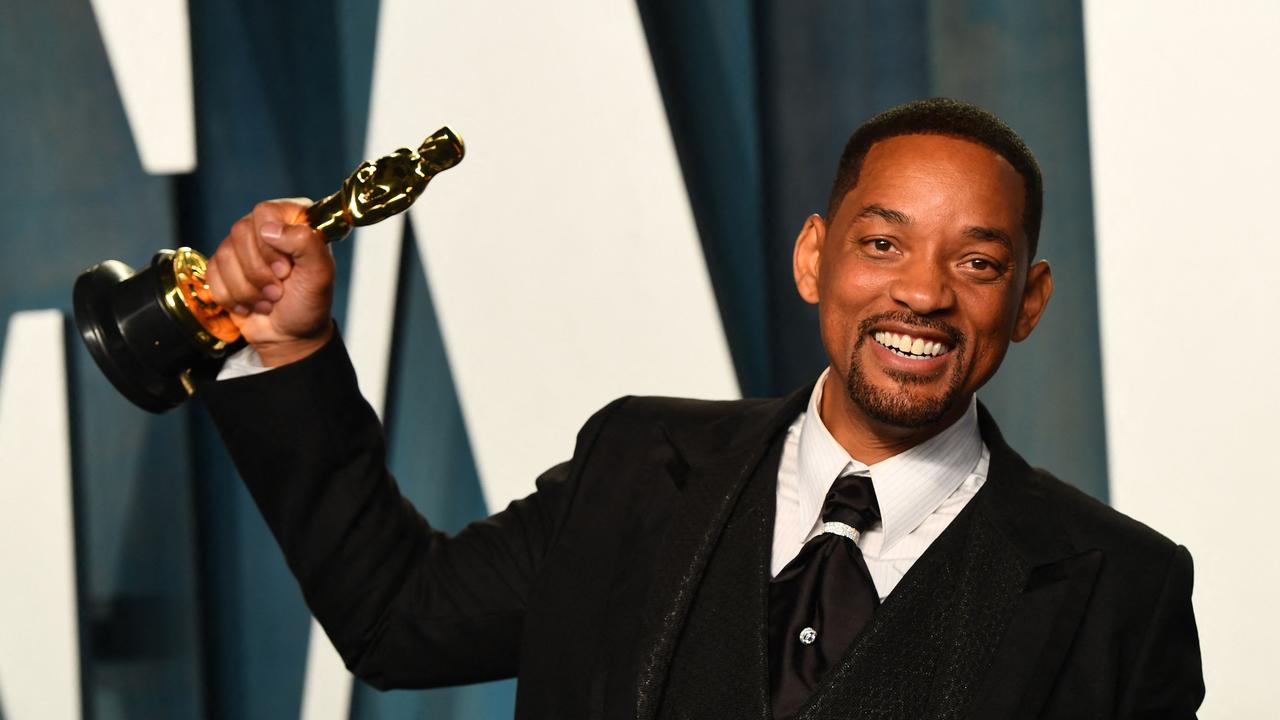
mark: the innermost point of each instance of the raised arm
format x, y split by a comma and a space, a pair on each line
405, 605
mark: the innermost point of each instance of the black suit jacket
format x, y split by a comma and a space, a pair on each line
582, 589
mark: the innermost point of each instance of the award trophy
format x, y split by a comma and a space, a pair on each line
147, 330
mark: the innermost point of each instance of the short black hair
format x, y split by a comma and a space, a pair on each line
953, 118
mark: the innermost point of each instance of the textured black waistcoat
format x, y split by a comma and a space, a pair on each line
923, 656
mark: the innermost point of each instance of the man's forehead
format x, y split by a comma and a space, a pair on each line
904, 150
899, 173
911, 162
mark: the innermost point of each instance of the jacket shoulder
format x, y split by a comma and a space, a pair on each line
1091, 523
675, 412
653, 428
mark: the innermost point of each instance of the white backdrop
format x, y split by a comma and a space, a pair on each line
1183, 113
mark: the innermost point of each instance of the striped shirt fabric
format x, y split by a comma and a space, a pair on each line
920, 491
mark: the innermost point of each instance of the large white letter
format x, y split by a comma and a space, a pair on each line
149, 45
39, 643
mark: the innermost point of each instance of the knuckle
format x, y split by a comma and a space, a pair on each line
220, 256
268, 253
300, 233
230, 274
243, 294
259, 275
241, 229
217, 284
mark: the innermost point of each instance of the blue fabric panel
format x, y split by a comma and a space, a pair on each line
761, 96
1025, 62
76, 195
825, 67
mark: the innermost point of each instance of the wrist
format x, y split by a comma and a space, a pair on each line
284, 352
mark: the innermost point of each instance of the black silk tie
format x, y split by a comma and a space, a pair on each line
823, 598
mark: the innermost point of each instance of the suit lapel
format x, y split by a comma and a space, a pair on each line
1050, 598
710, 466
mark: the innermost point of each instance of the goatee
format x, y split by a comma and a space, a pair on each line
901, 407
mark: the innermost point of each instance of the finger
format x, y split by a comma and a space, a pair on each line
249, 252
293, 211
269, 218
230, 288
281, 264
299, 242
213, 280
286, 211
244, 241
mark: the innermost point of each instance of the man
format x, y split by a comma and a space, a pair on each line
868, 547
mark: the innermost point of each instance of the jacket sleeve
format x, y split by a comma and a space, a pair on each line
1168, 683
404, 604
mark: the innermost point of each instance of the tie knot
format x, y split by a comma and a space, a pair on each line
852, 501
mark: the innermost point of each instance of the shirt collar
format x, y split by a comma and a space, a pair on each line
909, 486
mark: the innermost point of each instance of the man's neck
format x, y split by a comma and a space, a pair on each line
866, 439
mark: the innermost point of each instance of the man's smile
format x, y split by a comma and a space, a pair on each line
910, 346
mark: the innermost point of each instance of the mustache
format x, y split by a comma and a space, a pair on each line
911, 319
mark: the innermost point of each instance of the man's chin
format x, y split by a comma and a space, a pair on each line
903, 405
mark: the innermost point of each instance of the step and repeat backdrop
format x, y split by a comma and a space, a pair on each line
635, 177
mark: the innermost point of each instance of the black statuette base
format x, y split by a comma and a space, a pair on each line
122, 318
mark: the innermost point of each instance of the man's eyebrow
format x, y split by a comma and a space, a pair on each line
992, 234
884, 213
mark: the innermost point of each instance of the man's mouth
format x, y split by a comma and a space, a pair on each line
910, 347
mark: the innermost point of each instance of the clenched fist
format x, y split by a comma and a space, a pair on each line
275, 276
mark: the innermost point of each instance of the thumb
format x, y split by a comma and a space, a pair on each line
299, 242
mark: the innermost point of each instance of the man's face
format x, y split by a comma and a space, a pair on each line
921, 279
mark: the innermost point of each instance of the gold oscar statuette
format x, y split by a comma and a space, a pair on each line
147, 330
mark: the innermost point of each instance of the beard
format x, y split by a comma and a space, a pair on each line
902, 406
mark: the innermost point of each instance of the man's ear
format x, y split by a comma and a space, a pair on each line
807, 257
1035, 296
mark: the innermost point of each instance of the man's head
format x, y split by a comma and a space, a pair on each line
944, 116
922, 269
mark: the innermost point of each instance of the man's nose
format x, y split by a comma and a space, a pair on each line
923, 286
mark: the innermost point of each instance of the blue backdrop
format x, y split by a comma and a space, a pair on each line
188, 609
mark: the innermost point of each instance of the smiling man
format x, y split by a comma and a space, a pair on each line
868, 547
922, 275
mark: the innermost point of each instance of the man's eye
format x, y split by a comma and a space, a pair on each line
983, 265
881, 245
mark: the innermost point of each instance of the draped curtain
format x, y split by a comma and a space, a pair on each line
188, 609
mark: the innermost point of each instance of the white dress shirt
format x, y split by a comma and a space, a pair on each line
920, 491
241, 363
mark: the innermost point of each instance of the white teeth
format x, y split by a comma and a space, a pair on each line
908, 346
